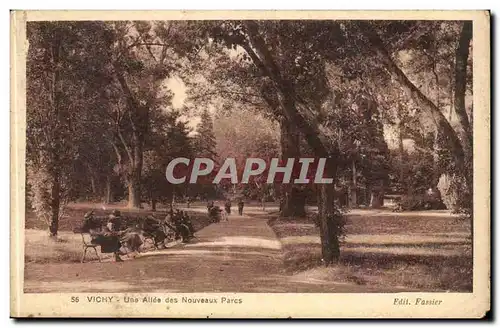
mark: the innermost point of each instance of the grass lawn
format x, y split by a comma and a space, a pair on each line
424, 252
68, 246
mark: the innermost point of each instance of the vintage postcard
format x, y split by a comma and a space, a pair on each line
250, 164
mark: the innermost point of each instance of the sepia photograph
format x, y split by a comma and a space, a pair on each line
196, 162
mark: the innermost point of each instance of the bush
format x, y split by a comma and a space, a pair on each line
421, 202
39, 193
338, 218
40, 197
451, 190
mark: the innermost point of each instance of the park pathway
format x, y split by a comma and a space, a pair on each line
240, 255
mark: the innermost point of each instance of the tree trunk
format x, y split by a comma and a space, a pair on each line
377, 198
298, 114
134, 191
427, 106
436, 172
153, 203
93, 185
401, 151
450, 117
293, 199
368, 195
107, 191
353, 189
55, 192
329, 232
135, 170
464, 129
55, 204
139, 117
293, 203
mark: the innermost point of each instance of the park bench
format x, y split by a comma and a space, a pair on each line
149, 235
87, 243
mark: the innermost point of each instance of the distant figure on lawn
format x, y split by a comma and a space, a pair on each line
241, 204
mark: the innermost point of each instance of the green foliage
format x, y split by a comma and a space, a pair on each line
204, 141
455, 194
168, 139
63, 83
359, 133
243, 135
337, 219
419, 202
40, 195
419, 171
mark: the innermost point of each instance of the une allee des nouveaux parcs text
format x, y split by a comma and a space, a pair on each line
308, 170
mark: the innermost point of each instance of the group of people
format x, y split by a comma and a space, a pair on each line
214, 211
108, 235
181, 224
112, 236
227, 206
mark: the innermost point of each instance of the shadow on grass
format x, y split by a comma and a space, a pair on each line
439, 262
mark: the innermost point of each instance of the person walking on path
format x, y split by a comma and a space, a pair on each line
227, 206
241, 204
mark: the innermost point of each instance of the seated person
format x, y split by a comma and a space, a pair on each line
152, 227
210, 205
169, 222
181, 228
103, 236
187, 221
151, 224
114, 221
214, 213
131, 238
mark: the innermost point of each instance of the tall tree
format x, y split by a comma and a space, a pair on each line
64, 78
295, 70
458, 140
168, 139
204, 144
464, 129
204, 141
145, 55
